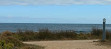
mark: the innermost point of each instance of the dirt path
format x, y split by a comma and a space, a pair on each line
69, 44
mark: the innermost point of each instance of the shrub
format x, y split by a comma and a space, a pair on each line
8, 41
108, 35
9, 46
66, 35
83, 36
45, 34
96, 33
6, 33
8, 38
4, 45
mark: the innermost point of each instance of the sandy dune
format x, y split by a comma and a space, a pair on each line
69, 44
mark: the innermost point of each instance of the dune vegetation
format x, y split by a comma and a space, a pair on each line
45, 34
12, 40
8, 41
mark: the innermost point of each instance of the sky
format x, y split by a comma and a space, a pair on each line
55, 11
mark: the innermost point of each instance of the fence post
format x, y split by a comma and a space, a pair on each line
104, 30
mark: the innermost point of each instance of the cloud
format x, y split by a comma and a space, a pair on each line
26, 18
54, 2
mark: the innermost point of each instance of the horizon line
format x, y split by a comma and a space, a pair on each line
60, 23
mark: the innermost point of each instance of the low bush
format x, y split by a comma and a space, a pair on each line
97, 34
8, 40
45, 34
66, 35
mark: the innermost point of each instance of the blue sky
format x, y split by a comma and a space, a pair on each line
55, 11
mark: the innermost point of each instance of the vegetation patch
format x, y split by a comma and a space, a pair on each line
8, 41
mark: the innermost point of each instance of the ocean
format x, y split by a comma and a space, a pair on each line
13, 27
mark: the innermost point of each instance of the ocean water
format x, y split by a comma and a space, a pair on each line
53, 27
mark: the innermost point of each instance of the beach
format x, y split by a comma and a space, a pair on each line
69, 44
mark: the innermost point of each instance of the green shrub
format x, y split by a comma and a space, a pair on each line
26, 35
8, 41
83, 36
9, 46
8, 38
4, 45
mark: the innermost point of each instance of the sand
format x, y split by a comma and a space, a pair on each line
70, 44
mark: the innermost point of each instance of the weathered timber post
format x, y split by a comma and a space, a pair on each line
104, 30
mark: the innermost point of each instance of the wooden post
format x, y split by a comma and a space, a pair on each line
104, 30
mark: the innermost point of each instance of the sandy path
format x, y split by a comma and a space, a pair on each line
69, 44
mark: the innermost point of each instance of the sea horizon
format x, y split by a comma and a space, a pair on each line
51, 26
52, 23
